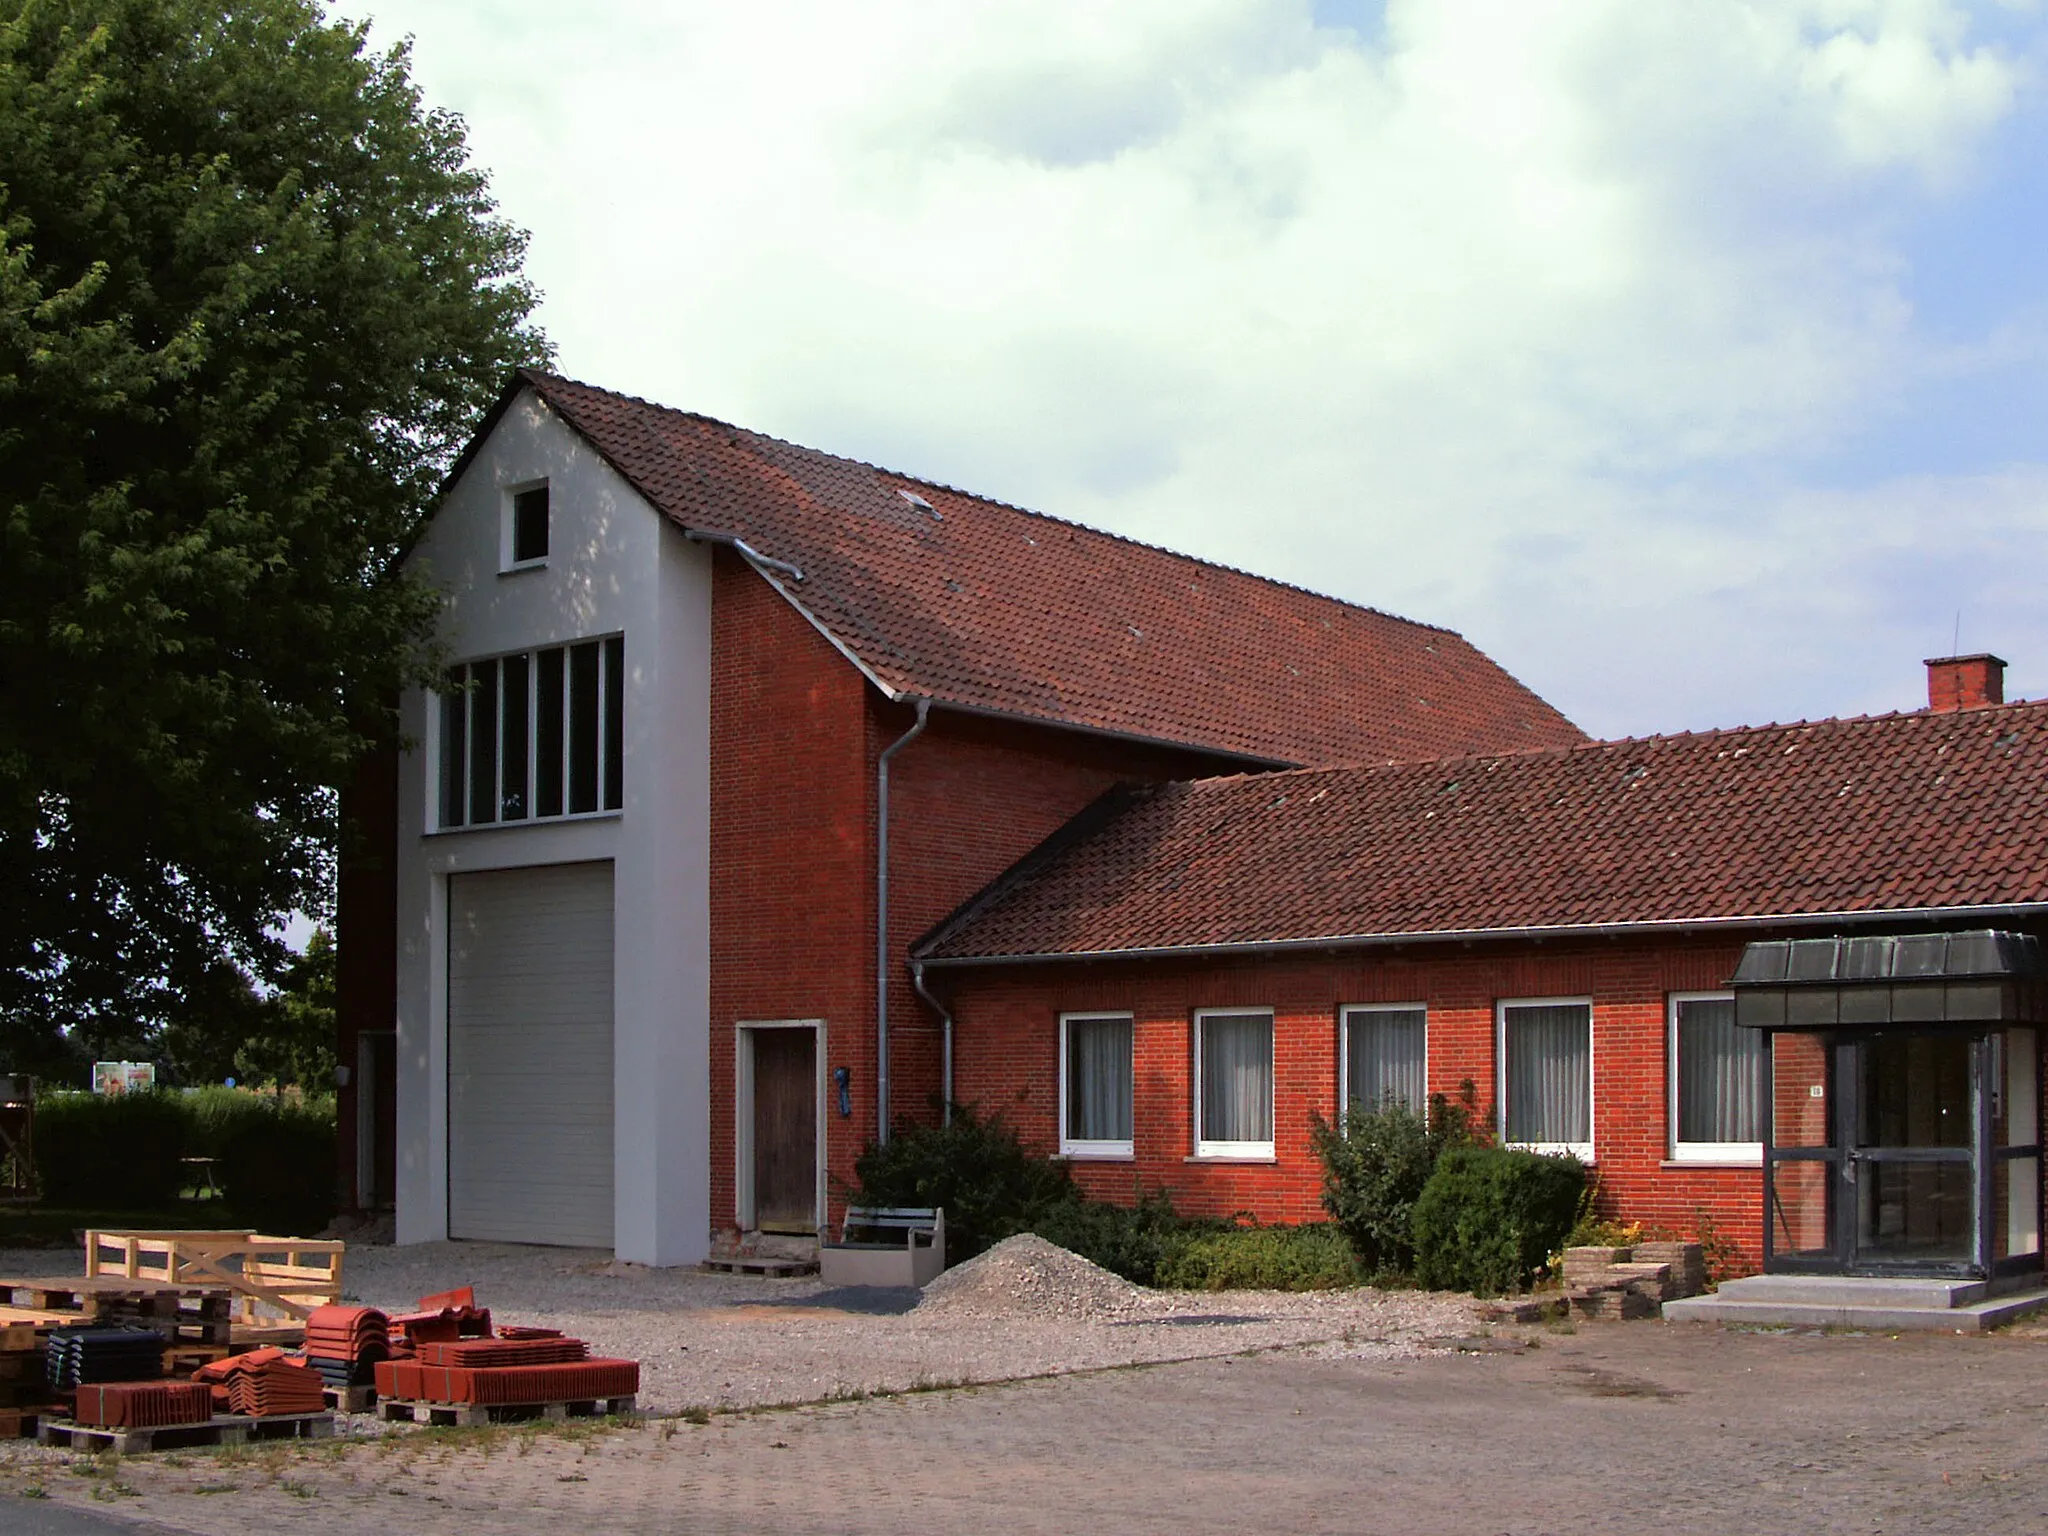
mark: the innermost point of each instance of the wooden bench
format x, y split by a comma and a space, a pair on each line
913, 1254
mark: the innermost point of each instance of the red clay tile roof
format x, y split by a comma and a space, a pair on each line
984, 606
1883, 814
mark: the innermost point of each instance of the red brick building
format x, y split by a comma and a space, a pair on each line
730, 722
1172, 986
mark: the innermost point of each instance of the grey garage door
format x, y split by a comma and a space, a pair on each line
530, 1055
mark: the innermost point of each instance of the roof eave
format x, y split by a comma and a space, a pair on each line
1672, 926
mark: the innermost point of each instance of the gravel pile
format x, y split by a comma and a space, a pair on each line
1026, 1276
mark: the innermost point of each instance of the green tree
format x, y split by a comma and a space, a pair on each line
253, 299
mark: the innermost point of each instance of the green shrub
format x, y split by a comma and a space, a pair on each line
216, 1114
277, 1167
1489, 1218
1315, 1256
1375, 1162
112, 1152
1137, 1242
990, 1184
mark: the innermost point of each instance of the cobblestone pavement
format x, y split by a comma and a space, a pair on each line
1614, 1428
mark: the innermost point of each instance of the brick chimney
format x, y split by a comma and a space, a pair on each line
1965, 682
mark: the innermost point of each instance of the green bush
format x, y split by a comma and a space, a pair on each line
1315, 1256
990, 1184
1137, 1242
216, 1114
1376, 1161
1489, 1218
112, 1152
277, 1167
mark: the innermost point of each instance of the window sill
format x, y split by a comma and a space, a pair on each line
1246, 1159
1710, 1160
1582, 1151
523, 566
1079, 1155
523, 824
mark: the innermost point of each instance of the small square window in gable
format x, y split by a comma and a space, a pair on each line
530, 525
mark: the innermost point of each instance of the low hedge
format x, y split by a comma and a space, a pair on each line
120, 1152
1139, 1242
1489, 1218
112, 1151
277, 1169
1315, 1256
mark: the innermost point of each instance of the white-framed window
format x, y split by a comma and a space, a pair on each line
536, 735
1717, 1082
1095, 1084
527, 514
1545, 1049
1233, 1082
1385, 1055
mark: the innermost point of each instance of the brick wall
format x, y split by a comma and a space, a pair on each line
796, 734
792, 925
1007, 1059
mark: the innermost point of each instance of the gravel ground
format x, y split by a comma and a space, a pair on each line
1024, 1309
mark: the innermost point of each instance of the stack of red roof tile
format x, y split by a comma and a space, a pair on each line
501, 1352
508, 1385
262, 1383
443, 1318
344, 1343
144, 1404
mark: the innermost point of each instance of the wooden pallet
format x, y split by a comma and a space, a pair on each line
224, 1429
397, 1410
189, 1314
273, 1278
777, 1268
361, 1399
20, 1423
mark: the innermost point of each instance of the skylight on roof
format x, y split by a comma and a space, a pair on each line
921, 504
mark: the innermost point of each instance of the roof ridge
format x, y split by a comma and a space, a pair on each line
1605, 744
541, 374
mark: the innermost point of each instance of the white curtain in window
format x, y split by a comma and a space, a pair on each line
1098, 1079
1550, 1078
1720, 1074
1237, 1077
1384, 1056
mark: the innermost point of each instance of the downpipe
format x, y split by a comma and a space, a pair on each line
924, 707
946, 1025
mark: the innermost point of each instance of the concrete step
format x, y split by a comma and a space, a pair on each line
1857, 1290
1973, 1317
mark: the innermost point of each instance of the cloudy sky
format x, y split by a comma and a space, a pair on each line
1691, 357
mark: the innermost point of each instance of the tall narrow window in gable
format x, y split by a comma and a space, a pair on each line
530, 525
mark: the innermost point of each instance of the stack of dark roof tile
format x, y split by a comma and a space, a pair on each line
344, 1344
144, 1404
79, 1355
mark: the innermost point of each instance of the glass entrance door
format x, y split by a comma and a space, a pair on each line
1912, 1160
1903, 1151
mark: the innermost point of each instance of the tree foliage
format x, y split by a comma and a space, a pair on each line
253, 298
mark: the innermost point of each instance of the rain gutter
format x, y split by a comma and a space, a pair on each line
1678, 926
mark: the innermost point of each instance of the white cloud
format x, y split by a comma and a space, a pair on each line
1527, 316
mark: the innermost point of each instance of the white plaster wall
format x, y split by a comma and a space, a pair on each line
615, 565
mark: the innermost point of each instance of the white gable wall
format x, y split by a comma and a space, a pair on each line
614, 566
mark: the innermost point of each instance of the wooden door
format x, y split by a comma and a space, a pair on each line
785, 1130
